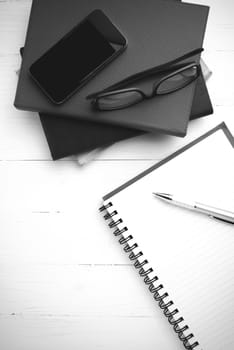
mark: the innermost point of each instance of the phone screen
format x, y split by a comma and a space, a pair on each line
78, 56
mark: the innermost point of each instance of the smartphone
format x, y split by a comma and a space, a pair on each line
78, 57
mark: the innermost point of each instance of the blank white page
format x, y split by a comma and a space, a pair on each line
192, 254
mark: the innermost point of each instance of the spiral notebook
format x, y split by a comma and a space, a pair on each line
185, 258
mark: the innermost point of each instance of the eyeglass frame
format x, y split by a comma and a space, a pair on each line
154, 88
111, 90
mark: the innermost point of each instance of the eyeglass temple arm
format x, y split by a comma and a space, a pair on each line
146, 72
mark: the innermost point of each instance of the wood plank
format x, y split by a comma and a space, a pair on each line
56, 332
65, 281
50, 211
75, 291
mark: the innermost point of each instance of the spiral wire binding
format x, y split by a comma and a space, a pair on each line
158, 291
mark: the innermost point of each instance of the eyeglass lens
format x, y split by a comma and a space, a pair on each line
119, 100
178, 81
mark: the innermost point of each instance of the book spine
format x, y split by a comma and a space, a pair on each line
136, 256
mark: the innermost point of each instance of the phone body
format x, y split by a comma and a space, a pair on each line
78, 57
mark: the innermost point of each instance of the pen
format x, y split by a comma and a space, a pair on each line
215, 213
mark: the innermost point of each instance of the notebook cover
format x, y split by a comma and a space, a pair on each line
176, 28
184, 258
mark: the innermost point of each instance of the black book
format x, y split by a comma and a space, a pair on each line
67, 136
156, 33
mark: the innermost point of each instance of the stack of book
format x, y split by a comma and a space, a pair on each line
156, 33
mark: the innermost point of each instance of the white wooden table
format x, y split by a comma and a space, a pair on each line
64, 281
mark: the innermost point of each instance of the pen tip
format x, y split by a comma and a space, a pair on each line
163, 195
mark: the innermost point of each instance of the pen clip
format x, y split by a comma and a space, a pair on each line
215, 217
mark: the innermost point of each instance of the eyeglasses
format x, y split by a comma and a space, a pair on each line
177, 77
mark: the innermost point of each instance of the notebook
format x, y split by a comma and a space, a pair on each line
185, 258
68, 136
176, 28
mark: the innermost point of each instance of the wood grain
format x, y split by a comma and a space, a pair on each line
64, 281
